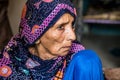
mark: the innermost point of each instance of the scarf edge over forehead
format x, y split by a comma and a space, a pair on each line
39, 15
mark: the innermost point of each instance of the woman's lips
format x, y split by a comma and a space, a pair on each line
66, 47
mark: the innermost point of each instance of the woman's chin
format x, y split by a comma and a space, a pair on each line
64, 53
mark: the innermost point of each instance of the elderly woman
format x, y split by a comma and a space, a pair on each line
45, 47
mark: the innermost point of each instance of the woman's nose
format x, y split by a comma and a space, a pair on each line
71, 34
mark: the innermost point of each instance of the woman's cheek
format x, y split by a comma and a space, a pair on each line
59, 37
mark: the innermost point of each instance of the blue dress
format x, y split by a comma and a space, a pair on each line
85, 65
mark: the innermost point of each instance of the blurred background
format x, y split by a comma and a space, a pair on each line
98, 26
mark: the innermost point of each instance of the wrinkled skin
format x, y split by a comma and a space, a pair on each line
58, 39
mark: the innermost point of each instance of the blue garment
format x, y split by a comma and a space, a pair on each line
85, 65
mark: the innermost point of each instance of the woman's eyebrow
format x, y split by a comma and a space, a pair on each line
63, 23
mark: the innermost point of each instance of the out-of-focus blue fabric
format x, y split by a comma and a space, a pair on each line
85, 65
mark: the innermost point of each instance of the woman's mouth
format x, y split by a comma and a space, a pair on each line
66, 47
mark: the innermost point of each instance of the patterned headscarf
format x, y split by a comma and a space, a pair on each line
39, 15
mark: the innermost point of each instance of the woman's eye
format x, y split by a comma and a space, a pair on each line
61, 28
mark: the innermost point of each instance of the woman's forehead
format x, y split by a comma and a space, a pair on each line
65, 18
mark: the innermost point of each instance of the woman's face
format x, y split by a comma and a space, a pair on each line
58, 39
